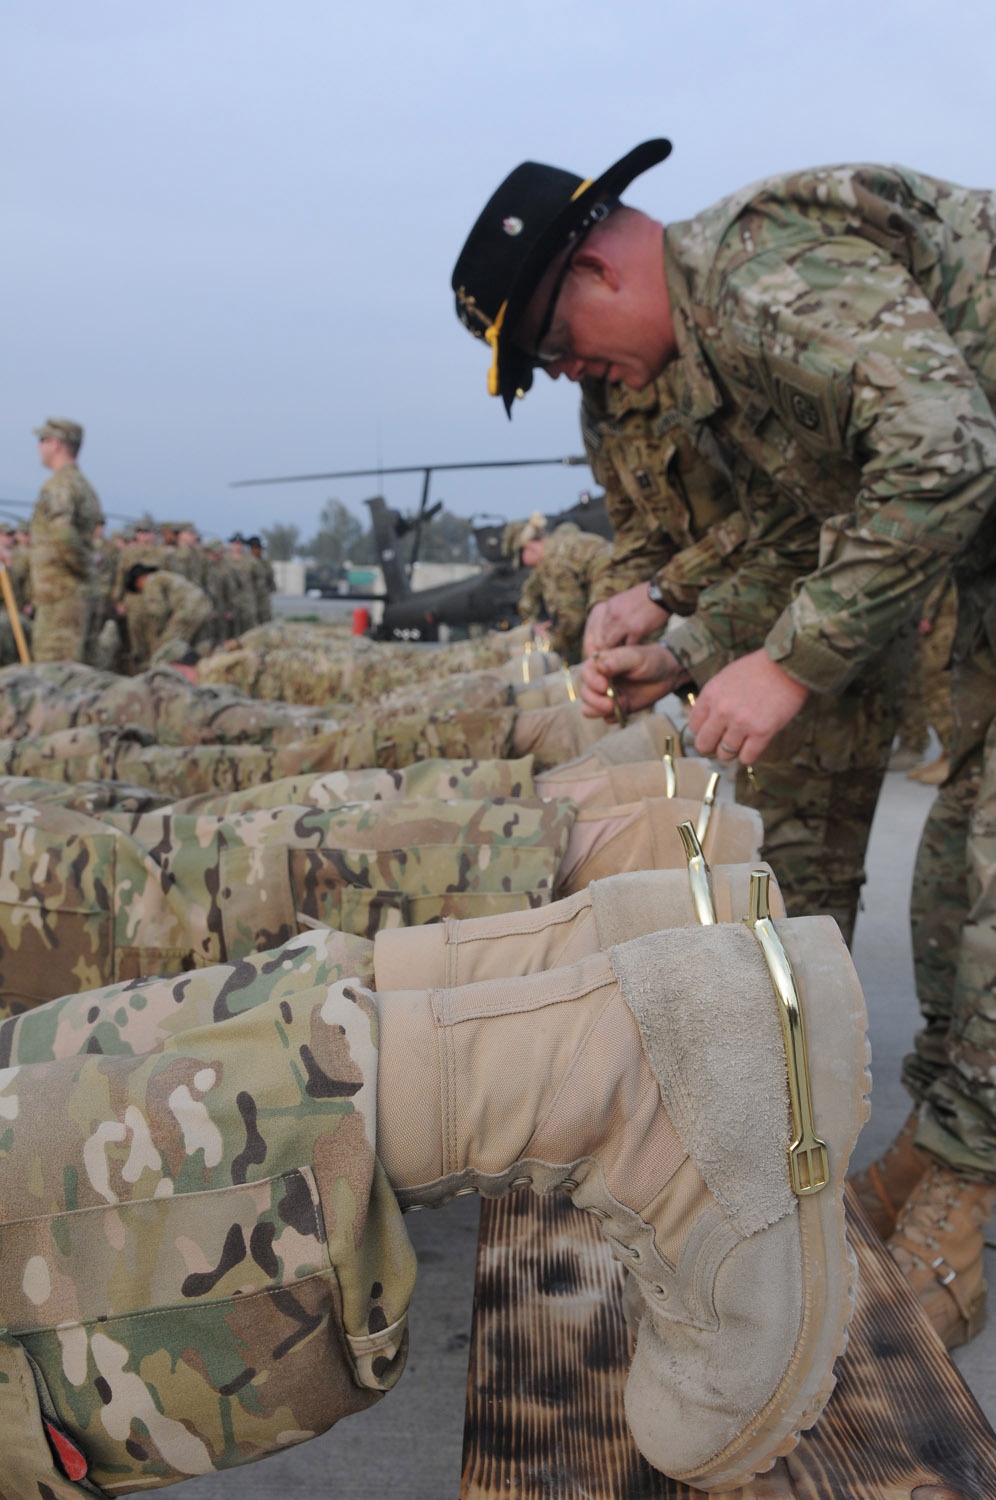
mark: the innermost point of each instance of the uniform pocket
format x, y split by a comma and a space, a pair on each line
185, 1334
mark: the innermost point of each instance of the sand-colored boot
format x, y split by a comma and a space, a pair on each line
883, 1187
459, 951
643, 835
650, 1083
938, 1245
592, 785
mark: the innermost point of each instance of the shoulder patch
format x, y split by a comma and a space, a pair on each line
807, 402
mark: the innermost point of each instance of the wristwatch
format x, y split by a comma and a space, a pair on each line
655, 595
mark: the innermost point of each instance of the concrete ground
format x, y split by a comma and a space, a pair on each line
411, 1442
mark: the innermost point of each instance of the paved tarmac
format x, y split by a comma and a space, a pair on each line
410, 1443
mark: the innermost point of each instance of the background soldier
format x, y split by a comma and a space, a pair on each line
65, 518
264, 581
566, 565
168, 615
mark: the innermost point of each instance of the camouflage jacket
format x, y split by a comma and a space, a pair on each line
66, 515
836, 345
558, 589
166, 616
673, 510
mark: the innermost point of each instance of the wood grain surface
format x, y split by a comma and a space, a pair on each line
548, 1361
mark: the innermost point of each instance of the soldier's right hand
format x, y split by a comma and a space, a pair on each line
638, 676
623, 620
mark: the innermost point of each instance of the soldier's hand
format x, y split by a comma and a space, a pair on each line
740, 710
623, 620
638, 675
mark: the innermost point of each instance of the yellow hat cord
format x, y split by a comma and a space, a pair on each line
492, 335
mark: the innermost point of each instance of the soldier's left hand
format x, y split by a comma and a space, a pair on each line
740, 710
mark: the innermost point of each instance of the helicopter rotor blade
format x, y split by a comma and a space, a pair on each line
570, 461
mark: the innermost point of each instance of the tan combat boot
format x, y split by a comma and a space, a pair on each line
938, 1245
884, 1187
650, 1083
457, 951
643, 835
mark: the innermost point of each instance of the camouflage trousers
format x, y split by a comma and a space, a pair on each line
817, 786
953, 912
201, 1258
59, 629
87, 900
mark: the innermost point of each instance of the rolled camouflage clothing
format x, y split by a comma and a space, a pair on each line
87, 900
201, 1259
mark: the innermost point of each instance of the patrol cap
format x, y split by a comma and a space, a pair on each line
518, 533
70, 433
530, 218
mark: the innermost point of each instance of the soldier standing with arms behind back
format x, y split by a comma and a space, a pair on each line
65, 519
831, 338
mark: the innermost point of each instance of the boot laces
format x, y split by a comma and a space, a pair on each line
918, 1238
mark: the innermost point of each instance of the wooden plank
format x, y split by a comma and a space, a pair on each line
548, 1361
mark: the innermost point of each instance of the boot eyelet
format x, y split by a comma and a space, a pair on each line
414, 1208
632, 1251
518, 1182
597, 1213
465, 1192
569, 1184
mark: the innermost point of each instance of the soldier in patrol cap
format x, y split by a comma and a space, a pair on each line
830, 339
65, 518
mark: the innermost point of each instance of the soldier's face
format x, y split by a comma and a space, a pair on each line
596, 326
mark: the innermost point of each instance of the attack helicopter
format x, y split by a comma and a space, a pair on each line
488, 599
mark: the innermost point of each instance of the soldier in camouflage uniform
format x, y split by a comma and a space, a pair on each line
566, 564
243, 591
170, 618
264, 580
66, 515
832, 335
678, 532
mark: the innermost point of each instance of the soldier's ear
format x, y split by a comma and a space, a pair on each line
594, 266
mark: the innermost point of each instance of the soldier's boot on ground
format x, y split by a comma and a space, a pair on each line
459, 951
938, 1244
883, 1187
643, 835
650, 1084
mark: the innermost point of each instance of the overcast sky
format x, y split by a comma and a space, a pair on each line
231, 224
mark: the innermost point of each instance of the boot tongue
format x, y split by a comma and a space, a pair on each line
708, 1072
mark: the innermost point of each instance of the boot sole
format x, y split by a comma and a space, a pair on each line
841, 1094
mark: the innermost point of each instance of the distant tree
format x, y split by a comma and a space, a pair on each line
281, 541
340, 537
448, 538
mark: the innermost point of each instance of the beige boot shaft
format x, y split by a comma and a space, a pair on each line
458, 951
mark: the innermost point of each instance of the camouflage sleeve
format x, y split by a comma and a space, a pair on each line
639, 548
858, 348
735, 609
531, 605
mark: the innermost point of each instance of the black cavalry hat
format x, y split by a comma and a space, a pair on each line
535, 212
